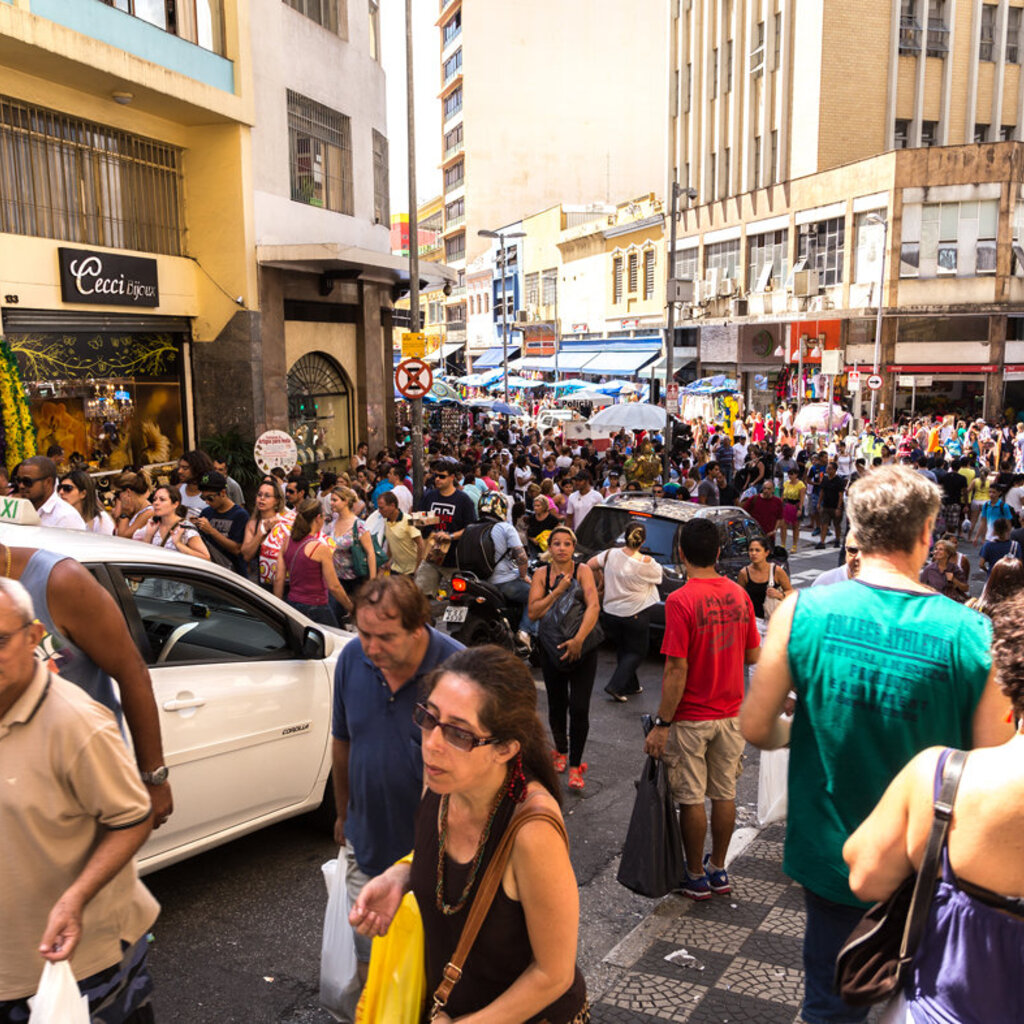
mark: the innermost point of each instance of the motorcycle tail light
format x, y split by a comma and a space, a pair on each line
458, 585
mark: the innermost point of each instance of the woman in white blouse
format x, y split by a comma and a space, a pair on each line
631, 581
78, 489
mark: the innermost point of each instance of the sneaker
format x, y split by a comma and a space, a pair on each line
525, 639
576, 776
718, 881
819, 546
559, 761
615, 695
696, 888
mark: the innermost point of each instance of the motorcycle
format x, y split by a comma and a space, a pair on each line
477, 613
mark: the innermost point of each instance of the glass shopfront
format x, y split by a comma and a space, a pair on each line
320, 412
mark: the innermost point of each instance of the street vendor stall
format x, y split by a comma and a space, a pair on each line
713, 399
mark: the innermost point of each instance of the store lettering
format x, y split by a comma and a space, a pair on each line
89, 280
10, 509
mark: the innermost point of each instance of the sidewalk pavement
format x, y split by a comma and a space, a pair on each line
734, 958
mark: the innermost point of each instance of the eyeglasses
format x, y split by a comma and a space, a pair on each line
207, 496
25, 481
6, 638
66, 488
460, 739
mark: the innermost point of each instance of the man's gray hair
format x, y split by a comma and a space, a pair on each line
889, 507
19, 597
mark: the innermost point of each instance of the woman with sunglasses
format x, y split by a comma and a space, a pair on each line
78, 489
270, 524
132, 509
168, 529
485, 755
569, 679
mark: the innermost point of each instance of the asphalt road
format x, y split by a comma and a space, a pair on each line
238, 939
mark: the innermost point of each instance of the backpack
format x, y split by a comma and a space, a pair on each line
474, 550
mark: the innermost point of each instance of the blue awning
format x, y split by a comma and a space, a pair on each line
620, 362
494, 357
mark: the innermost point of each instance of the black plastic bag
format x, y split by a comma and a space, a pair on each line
652, 857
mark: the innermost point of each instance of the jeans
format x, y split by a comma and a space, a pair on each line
517, 591
569, 685
631, 636
317, 612
828, 926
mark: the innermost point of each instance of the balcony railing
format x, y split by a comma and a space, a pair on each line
454, 222
455, 150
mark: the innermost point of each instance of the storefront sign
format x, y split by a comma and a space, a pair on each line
107, 279
275, 449
907, 380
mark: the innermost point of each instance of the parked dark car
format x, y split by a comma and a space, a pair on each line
605, 527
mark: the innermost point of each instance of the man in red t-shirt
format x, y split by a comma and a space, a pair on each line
710, 634
766, 508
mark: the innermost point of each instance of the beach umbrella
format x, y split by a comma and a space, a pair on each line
631, 416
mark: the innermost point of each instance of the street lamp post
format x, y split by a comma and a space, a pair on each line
875, 218
501, 236
416, 410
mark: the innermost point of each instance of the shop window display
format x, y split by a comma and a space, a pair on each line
320, 412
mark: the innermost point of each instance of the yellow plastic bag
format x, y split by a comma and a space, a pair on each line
397, 984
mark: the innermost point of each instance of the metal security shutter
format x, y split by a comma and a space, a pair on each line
50, 321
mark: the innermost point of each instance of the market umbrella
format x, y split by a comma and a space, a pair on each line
594, 397
814, 416
631, 416
612, 387
516, 382
440, 391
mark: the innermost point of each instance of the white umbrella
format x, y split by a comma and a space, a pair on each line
631, 416
594, 397
814, 416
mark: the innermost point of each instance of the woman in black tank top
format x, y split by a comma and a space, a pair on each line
485, 755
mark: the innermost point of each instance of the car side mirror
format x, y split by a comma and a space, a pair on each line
314, 645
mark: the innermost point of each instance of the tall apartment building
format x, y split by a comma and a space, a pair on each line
788, 120
540, 101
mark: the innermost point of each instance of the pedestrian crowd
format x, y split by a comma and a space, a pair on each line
871, 677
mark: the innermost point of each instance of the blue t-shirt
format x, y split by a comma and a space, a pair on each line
230, 524
385, 763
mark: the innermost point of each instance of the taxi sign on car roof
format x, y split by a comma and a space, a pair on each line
18, 510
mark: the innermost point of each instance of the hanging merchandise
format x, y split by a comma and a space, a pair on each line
17, 431
782, 383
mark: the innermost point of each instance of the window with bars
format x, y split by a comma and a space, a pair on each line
910, 28
197, 21
938, 31
381, 185
929, 133
821, 249
549, 287
981, 133
617, 279
767, 260
648, 273
987, 44
686, 264
454, 175
78, 181
532, 285
634, 272
900, 134
723, 257
320, 152
1013, 23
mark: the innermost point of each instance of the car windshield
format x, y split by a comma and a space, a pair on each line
604, 528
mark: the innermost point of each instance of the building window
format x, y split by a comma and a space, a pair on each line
453, 141
455, 212
821, 249
910, 28
777, 54
454, 175
723, 257
617, 279
713, 177
774, 171
197, 21
689, 88
950, 234
648, 273
455, 316
455, 247
987, 46
938, 33
1006, 132
866, 267
981, 133
757, 51
726, 168
767, 260
320, 149
374, 15
78, 181
532, 289
686, 264
451, 28
1013, 23
381, 186
929, 133
900, 134
634, 272
453, 65
714, 73
549, 287
453, 103
728, 66
757, 161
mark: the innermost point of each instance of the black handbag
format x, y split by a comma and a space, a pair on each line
872, 964
562, 622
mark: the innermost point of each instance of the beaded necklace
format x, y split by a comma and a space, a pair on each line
449, 909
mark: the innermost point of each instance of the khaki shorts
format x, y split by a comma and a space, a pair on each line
704, 759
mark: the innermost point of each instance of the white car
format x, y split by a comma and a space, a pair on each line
243, 687
556, 418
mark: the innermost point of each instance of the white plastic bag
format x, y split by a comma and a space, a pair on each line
772, 786
339, 971
57, 1000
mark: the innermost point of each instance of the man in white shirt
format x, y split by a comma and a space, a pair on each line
399, 490
37, 482
582, 500
1015, 495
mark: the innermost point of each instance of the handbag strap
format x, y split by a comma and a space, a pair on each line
924, 887
485, 896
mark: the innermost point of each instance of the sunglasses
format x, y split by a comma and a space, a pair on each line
460, 739
25, 481
66, 488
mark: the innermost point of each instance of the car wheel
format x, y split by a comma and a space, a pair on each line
475, 633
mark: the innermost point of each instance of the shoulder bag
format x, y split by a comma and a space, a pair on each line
563, 619
873, 962
484, 897
360, 563
771, 603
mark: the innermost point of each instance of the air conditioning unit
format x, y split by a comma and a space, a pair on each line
738, 307
713, 276
523, 316
805, 282
727, 287
681, 291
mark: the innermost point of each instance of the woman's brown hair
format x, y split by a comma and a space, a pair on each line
305, 514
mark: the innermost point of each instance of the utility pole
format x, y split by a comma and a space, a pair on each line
414, 255
670, 327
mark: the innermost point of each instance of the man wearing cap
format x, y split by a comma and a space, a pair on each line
222, 523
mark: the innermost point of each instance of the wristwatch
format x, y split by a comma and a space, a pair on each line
660, 723
157, 777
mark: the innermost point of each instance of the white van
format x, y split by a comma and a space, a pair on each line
555, 418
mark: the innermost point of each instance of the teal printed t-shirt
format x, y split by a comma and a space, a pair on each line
880, 675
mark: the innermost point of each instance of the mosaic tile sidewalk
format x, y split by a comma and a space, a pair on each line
737, 957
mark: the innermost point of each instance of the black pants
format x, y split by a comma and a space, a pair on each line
631, 636
569, 686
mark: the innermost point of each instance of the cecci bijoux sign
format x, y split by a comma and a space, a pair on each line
107, 279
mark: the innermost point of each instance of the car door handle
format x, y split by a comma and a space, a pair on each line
181, 705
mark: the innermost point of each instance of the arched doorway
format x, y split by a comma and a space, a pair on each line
320, 412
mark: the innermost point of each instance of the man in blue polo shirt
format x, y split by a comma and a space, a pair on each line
377, 763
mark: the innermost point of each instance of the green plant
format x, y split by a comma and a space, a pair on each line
236, 451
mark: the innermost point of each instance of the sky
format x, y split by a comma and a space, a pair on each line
426, 54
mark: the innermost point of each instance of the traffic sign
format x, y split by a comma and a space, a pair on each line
874, 382
414, 344
413, 378
853, 377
